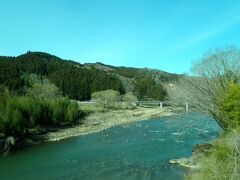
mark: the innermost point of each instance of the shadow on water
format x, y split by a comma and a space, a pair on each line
136, 151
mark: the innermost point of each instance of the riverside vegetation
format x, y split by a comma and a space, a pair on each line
39, 110
214, 88
39, 93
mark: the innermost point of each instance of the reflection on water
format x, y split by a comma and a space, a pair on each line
137, 151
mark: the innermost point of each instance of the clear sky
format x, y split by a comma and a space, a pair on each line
161, 34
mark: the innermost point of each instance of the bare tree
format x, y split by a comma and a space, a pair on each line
107, 99
208, 82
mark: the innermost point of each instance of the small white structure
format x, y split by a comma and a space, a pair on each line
161, 105
186, 104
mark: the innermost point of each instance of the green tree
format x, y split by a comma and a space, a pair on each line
229, 106
148, 88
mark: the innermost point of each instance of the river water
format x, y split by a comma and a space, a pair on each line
136, 151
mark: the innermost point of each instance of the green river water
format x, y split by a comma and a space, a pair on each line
136, 151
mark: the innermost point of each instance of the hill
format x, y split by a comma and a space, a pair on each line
79, 81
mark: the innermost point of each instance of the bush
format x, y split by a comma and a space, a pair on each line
223, 162
107, 99
20, 114
38, 87
129, 98
229, 106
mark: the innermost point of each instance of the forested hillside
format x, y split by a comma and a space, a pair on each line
73, 80
79, 81
144, 82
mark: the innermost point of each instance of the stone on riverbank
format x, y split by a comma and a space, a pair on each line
9, 143
187, 162
193, 162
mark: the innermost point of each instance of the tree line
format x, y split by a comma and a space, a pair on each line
73, 80
76, 81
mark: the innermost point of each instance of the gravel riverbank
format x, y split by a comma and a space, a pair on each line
100, 121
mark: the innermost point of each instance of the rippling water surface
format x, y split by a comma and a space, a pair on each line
136, 151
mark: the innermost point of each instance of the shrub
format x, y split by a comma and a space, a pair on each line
20, 114
229, 106
129, 98
107, 99
223, 162
38, 87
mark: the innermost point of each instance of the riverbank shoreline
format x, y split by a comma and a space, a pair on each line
94, 122
99, 121
138, 147
193, 162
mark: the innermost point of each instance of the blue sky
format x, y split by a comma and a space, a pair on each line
161, 34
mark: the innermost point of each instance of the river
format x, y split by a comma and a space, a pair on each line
135, 151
